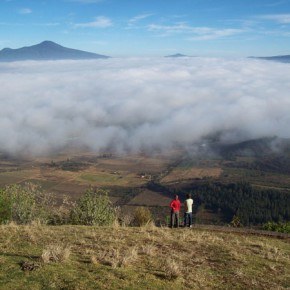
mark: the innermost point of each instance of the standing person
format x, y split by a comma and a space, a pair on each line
175, 208
188, 211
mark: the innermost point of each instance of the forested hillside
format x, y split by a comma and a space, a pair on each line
252, 206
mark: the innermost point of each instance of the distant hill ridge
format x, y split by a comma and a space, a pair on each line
46, 50
280, 58
177, 55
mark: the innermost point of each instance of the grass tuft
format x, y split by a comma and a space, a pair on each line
172, 269
55, 253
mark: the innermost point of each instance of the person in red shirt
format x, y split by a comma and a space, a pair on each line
175, 208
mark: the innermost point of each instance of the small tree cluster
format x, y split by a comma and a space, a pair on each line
93, 208
277, 227
23, 204
236, 222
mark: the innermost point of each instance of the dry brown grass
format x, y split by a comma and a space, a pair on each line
55, 253
152, 257
115, 257
148, 249
171, 268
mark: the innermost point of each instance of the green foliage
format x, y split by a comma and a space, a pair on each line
93, 208
236, 222
277, 227
142, 216
68, 165
23, 204
251, 205
5, 207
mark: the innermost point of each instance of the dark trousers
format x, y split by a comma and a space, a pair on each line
174, 221
188, 219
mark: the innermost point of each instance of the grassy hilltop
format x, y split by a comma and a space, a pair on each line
83, 257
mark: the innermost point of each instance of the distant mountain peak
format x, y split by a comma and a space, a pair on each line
48, 43
6, 49
46, 50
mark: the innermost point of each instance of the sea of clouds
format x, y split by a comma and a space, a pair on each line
140, 103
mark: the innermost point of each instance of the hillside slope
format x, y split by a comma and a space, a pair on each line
79, 257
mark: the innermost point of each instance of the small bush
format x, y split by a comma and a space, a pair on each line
236, 222
123, 219
142, 216
277, 227
60, 215
93, 208
23, 204
5, 207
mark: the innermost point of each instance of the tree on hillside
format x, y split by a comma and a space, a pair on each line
23, 204
93, 208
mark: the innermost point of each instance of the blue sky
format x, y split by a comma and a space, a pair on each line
231, 28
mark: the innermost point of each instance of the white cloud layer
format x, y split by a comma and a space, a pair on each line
134, 104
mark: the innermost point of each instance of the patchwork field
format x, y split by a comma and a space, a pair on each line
72, 174
147, 180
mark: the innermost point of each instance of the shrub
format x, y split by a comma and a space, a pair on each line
23, 204
123, 219
277, 227
5, 207
60, 215
93, 208
236, 222
142, 216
